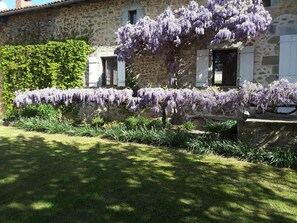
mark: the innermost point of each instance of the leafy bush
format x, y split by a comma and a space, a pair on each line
131, 122
282, 157
221, 127
54, 126
156, 124
69, 112
30, 67
97, 121
144, 122
42, 111
188, 126
159, 137
275, 157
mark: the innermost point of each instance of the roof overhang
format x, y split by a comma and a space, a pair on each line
33, 8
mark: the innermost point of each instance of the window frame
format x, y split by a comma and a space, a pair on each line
132, 14
104, 60
224, 76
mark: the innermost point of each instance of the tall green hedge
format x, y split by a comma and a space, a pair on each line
29, 67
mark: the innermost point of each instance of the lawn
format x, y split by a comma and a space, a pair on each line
61, 179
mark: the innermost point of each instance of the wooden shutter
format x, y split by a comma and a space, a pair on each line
288, 58
94, 74
121, 74
202, 68
246, 71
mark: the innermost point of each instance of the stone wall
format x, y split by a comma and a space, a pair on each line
268, 133
267, 47
28, 28
95, 20
151, 69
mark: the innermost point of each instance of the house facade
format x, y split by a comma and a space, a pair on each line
271, 56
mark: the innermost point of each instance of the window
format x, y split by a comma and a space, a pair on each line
267, 3
224, 67
131, 13
110, 71
133, 16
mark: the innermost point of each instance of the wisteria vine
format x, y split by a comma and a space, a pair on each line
278, 94
219, 20
101, 97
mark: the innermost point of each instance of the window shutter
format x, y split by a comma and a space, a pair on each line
94, 74
246, 71
202, 68
288, 58
121, 73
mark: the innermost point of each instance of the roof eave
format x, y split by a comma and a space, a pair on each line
37, 7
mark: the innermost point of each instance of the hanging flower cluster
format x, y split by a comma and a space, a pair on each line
278, 94
101, 97
219, 20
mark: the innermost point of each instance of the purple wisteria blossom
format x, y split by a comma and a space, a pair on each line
277, 94
101, 97
219, 20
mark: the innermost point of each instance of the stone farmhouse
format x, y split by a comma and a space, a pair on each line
272, 56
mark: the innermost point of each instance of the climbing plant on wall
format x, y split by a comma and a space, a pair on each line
218, 21
29, 67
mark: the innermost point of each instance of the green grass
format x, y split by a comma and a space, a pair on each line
61, 179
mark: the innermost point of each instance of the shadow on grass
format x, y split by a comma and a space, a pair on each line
43, 181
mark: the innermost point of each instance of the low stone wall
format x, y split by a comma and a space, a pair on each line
269, 133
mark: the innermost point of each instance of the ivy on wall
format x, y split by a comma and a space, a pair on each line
29, 67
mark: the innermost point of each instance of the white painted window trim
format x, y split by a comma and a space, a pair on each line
121, 69
288, 57
246, 57
202, 68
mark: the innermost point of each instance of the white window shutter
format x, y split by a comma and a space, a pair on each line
246, 71
288, 58
94, 74
121, 74
202, 68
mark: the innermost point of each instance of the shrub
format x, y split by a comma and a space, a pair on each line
131, 122
60, 64
282, 157
97, 121
188, 126
69, 113
42, 111
55, 126
159, 137
228, 126
144, 122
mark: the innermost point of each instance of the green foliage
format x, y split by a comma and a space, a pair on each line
282, 157
30, 67
44, 111
69, 113
275, 157
55, 126
188, 126
142, 122
131, 122
156, 124
97, 121
221, 127
160, 137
